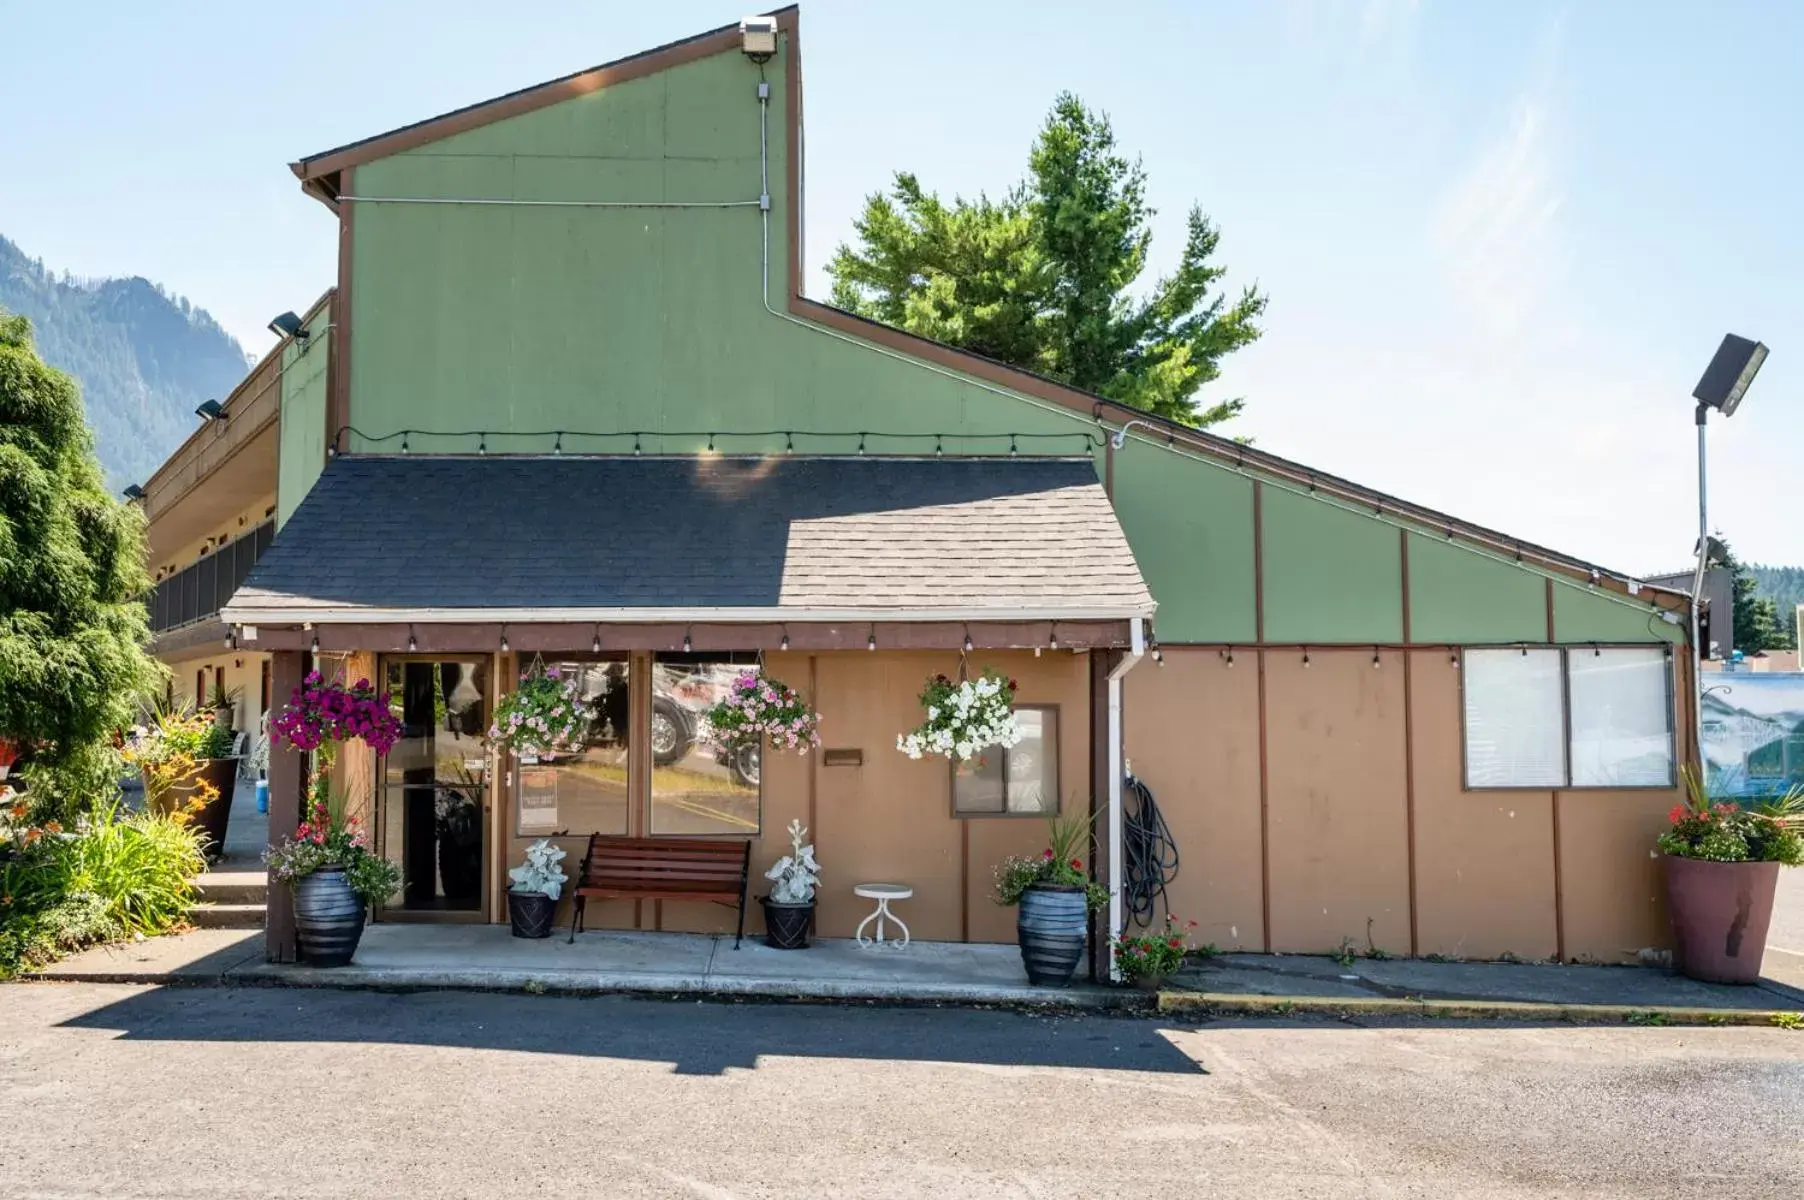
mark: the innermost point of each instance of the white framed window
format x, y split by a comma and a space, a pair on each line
1568, 718
1515, 719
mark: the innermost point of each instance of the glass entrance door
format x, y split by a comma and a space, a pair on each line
435, 787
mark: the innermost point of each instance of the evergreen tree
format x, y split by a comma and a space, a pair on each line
72, 621
1759, 625
1044, 278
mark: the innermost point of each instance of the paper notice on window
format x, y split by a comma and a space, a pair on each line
538, 801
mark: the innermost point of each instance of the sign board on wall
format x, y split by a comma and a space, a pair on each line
1753, 734
538, 800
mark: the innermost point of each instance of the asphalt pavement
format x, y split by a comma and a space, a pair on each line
120, 1090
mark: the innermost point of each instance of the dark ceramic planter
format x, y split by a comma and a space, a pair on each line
786, 925
328, 918
1050, 924
216, 814
530, 914
1720, 913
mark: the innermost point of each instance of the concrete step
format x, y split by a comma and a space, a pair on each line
232, 884
227, 916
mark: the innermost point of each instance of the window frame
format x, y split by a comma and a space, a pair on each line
1058, 800
1566, 785
646, 796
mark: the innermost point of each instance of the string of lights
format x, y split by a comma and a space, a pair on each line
637, 441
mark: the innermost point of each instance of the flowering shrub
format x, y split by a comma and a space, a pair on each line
1726, 832
1058, 866
756, 707
169, 755
1154, 954
544, 714
319, 713
964, 719
329, 838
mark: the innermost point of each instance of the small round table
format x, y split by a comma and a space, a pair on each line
882, 893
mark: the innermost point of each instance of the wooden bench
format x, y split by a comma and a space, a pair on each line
663, 869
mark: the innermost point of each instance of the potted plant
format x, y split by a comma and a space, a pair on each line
1722, 866
532, 896
545, 714
1054, 900
327, 861
335, 877
1148, 959
789, 909
179, 757
964, 718
219, 769
222, 702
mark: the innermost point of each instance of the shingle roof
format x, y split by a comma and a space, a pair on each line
1009, 537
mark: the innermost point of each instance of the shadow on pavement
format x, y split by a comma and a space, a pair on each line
695, 1038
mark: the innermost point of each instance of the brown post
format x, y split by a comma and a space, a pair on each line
286, 773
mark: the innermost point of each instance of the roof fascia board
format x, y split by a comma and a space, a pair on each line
239, 614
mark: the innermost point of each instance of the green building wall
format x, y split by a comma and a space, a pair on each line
505, 323
303, 424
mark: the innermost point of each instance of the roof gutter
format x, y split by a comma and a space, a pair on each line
239, 614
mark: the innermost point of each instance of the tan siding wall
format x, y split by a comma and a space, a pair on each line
1192, 734
1338, 839
1484, 860
1614, 889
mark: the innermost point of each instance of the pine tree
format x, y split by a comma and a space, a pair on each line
73, 669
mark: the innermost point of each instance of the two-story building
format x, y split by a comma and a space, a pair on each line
568, 404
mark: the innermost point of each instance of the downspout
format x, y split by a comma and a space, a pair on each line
1117, 771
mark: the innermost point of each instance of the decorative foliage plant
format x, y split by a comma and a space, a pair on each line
757, 707
964, 719
329, 838
1726, 832
796, 875
1154, 954
1060, 865
170, 754
542, 872
544, 715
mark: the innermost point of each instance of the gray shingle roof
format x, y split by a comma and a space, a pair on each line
1012, 537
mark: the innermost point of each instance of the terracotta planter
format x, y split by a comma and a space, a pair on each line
1720, 913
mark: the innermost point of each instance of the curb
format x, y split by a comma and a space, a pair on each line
1235, 1003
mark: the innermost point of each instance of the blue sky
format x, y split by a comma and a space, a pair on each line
1500, 240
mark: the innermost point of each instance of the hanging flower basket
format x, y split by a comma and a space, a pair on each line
964, 718
756, 708
544, 715
320, 714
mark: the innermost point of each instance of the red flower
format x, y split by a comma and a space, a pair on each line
1077, 864
1174, 943
1048, 854
1677, 814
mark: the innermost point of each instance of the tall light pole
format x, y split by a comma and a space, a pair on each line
1725, 381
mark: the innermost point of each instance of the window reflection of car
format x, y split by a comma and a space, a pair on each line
604, 687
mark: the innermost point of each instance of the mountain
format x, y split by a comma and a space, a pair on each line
143, 357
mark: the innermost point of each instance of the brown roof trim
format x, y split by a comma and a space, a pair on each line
317, 168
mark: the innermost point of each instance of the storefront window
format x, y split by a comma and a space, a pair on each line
585, 792
435, 782
699, 785
1019, 780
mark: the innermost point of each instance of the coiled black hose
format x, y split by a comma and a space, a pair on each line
1149, 854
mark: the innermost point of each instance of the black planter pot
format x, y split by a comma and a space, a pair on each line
1050, 925
786, 925
328, 918
531, 914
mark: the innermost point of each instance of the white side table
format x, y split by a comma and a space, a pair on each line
882, 893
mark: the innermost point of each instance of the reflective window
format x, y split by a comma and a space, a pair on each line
699, 784
1018, 780
585, 792
435, 781
1515, 732
1552, 718
1621, 718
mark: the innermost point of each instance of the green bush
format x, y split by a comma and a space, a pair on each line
117, 875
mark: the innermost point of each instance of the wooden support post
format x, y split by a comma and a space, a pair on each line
286, 780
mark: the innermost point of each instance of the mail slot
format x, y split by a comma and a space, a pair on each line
844, 758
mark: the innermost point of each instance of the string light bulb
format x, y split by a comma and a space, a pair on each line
784, 644
315, 646
870, 643
1376, 662
1305, 659
595, 642
504, 646
688, 642
1053, 641
413, 643
967, 639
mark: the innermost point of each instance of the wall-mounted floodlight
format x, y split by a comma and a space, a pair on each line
287, 325
1727, 377
134, 492
758, 38
211, 410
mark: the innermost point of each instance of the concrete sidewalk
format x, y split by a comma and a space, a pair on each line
489, 958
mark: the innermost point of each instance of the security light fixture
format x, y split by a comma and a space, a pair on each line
134, 492
758, 38
1727, 377
211, 410
287, 325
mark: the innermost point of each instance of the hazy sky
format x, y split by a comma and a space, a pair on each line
1501, 240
